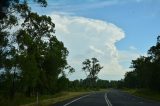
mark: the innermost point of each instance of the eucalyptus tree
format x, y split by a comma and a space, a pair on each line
91, 67
29, 49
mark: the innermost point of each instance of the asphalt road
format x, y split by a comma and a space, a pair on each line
111, 98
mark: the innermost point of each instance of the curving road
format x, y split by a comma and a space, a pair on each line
112, 98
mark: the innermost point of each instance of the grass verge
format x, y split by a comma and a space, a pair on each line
144, 93
62, 97
57, 98
44, 100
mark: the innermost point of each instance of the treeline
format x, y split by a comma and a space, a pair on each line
146, 71
82, 84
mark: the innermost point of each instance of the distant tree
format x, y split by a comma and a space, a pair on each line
131, 79
102, 83
91, 68
120, 84
63, 83
76, 84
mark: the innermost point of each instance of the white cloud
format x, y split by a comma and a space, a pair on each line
132, 48
87, 38
76, 5
96, 50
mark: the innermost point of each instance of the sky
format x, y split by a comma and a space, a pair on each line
113, 31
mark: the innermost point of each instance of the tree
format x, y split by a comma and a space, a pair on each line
146, 70
102, 83
63, 84
131, 79
6, 6
141, 68
91, 68
154, 54
31, 51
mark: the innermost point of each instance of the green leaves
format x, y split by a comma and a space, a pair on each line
91, 68
38, 56
146, 70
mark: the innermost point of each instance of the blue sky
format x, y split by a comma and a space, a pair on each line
131, 29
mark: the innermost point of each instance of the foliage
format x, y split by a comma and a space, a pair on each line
146, 70
31, 56
91, 68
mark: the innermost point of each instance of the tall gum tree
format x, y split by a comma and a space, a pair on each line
32, 49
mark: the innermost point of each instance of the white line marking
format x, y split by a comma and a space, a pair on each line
107, 100
76, 100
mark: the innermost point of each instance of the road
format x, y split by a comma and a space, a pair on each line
112, 98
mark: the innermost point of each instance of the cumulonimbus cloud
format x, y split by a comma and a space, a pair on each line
86, 38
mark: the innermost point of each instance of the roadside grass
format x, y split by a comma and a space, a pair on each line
45, 100
145, 93
56, 98
63, 96
21, 99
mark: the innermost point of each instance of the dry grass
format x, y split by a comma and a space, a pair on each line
57, 98
61, 97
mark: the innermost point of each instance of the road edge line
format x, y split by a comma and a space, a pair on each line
76, 100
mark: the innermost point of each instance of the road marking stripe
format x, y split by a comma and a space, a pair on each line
76, 100
107, 100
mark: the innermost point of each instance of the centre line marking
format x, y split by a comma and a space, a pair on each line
107, 100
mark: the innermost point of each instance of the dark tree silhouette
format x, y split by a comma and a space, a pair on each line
91, 68
146, 70
25, 57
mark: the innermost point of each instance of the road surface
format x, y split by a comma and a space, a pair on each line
112, 98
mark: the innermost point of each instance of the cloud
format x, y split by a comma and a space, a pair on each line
132, 48
87, 38
72, 6
96, 50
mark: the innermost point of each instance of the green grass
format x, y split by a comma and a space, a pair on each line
44, 100
21, 99
144, 93
63, 96
57, 98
